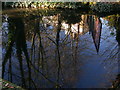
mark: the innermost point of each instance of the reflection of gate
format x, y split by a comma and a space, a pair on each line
95, 26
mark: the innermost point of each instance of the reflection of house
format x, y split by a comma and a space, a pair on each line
95, 26
78, 28
74, 29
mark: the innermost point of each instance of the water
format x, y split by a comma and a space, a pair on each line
60, 48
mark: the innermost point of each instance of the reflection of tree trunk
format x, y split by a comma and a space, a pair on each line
19, 52
76, 48
41, 48
3, 5
78, 28
10, 68
33, 47
21, 44
39, 55
119, 59
90, 22
11, 40
117, 26
67, 34
69, 29
57, 46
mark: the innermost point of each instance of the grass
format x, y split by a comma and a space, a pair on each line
8, 85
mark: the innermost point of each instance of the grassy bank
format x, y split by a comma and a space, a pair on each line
9, 85
116, 83
70, 5
99, 7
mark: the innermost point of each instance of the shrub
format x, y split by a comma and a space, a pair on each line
102, 7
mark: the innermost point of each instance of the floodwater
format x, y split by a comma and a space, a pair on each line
60, 48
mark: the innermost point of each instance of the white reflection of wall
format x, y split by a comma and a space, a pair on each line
53, 21
74, 28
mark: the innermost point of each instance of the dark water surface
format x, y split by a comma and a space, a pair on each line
60, 48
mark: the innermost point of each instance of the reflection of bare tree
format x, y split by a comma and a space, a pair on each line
37, 48
10, 69
17, 36
57, 46
33, 46
40, 47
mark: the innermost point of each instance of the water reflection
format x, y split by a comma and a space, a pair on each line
16, 37
117, 26
95, 28
53, 50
